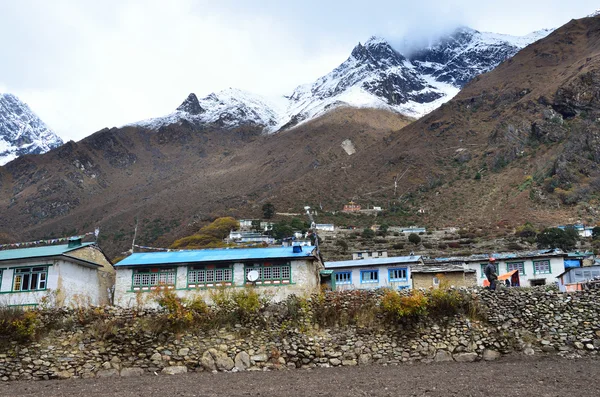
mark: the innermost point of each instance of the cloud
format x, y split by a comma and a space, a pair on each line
83, 66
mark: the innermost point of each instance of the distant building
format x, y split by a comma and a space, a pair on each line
351, 207
327, 227
413, 229
369, 254
246, 224
239, 236
573, 278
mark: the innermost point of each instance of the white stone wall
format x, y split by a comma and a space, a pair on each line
557, 266
68, 284
383, 278
304, 281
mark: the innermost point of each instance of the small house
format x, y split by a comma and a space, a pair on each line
372, 273
75, 274
456, 275
369, 254
352, 207
282, 271
326, 227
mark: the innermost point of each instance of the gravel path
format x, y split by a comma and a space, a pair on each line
541, 377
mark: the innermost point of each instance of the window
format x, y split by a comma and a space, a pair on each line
30, 278
343, 277
146, 279
483, 269
209, 276
542, 267
398, 274
520, 266
436, 281
270, 274
369, 276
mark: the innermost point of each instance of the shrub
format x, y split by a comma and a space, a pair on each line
400, 306
398, 246
558, 238
18, 325
596, 232
414, 238
444, 300
526, 230
368, 233
342, 244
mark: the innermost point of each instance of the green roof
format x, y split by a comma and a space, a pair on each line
38, 252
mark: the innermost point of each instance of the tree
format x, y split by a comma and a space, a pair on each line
268, 210
256, 226
526, 230
297, 224
343, 245
383, 229
414, 238
558, 238
368, 233
596, 232
282, 230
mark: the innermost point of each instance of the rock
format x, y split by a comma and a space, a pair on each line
589, 346
183, 352
64, 375
335, 361
465, 357
490, 355
134, 371
548, 349
208, 361
349, 363
579, 345
242, 361
107, 373
175, 370
260, 357
156, 357
442, 356
528, 351
364, 359
212, 360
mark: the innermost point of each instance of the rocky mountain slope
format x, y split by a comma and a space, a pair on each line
375, 75
21, 131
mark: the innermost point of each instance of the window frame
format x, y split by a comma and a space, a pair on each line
349, 281
371, 281
149, 271
483, 265
271, 280
516, 263
205, 269
391, 279
20, 272
539, 261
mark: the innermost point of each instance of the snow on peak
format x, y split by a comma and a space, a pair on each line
22, 131
374, 75
594, 14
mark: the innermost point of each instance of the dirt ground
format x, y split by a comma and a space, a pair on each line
542, 377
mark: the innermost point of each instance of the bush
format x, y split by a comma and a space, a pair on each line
526, 230
398, 246
368, 233
596, 232
18, 325
414, 238
400, 306
342, 244
443, 300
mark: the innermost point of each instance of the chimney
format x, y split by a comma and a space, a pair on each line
74, 242
296, 248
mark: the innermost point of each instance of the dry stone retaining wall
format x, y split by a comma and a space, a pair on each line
529, 321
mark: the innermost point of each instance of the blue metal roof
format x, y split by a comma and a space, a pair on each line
374, 261
214, 255
38, 252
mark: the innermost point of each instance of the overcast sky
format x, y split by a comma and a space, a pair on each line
85, 65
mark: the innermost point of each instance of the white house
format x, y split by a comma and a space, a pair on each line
326, 227
75, 274
369, 254
281, 271
250, 237
391, 272
539, 267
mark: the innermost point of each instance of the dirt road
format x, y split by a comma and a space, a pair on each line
542, 377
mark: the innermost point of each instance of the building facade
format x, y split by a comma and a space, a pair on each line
429, 276
373, 273
70, 275
283, 270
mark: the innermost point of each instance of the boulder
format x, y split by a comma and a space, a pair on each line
242, 361
364, 359
175, 369
126, 372
107, 373
442, 356
465, 357
490, 355
212, 360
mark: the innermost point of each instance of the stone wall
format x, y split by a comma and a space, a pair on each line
122, 342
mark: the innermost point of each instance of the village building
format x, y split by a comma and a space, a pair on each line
326, 227
369, 254
577, 278
69, 275
373, 273
249, 237
351, 207
455, 275
282, 271
540, 267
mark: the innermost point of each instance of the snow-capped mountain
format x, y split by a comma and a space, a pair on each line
21, 131
228, 108
375, 75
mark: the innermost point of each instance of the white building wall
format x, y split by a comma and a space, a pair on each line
68, 284
384, 281
557, 266
304, 281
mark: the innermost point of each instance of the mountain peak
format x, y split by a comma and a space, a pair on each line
22, 131
191, 105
